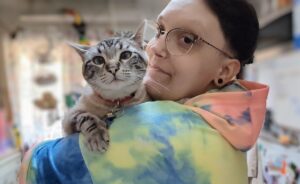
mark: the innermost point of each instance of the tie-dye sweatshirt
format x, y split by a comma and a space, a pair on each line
162, 142
237, 111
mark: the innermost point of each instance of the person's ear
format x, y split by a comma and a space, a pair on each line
228, 71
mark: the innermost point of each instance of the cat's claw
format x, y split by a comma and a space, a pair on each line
99, 141
95, 132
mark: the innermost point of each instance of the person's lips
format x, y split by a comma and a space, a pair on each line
157, 74
159, 69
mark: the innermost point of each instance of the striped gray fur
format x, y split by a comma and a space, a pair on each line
114, 69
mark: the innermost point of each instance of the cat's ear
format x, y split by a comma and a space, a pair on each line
80, 49
138, 37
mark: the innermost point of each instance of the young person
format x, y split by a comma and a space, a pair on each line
199, 48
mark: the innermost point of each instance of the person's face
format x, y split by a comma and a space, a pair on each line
173, 77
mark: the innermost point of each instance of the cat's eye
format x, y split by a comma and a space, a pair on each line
98, 60
125, 55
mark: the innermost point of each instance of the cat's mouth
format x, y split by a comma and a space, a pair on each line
116, 81
115, 78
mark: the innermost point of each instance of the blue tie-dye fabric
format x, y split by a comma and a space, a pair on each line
58, 162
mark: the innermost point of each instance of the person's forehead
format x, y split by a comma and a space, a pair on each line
193, 14
191, 10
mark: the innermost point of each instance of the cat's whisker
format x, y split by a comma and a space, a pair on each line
159, 84
156, 89
155, 85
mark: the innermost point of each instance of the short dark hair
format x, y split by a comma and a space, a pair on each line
239, 23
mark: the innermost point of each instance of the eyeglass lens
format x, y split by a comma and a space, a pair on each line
179, 42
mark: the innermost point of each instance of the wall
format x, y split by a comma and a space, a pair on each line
282, 75
4, 95
2, 88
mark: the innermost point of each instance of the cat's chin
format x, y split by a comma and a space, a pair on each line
117, 83
115, 91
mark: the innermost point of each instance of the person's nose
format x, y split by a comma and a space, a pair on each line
157, 46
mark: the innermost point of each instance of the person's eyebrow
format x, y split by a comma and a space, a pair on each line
203, 30
200, 27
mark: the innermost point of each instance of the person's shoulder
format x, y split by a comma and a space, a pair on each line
62, 147
58, 160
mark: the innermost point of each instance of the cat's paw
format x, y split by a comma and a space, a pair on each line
94, 130
98, 140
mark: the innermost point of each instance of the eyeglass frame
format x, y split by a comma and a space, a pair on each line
196, 39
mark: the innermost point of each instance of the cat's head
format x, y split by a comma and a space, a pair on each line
115, 67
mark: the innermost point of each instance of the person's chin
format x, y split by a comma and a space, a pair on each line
158, 75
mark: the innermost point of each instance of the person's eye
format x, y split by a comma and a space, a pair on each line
187, 39
159, 31
98, 60
125, 55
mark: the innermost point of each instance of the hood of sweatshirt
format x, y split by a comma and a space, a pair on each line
236, 111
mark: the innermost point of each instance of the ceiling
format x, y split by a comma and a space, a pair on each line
16, 12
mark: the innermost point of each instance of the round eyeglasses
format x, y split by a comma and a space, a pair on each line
180, 42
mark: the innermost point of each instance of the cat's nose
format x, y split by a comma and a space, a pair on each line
112, 70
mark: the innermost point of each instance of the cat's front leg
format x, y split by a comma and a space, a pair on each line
94, 130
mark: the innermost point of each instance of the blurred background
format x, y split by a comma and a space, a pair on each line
40, 76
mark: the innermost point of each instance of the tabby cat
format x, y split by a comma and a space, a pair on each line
114, 70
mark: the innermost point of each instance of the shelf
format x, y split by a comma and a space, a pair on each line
90, 19
266, 20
